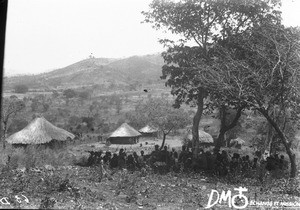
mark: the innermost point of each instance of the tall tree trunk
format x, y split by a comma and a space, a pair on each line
163, 141
284, 140
3, 143
4, 134
224, 128
196, 121
221, 138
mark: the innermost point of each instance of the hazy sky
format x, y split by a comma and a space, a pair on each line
43, 35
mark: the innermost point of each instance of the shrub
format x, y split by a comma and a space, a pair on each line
47, 203
290, 186
21, 88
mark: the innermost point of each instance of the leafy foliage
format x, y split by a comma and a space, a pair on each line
201, 24
160, 114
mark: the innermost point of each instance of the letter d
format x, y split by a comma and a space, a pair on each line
209, 205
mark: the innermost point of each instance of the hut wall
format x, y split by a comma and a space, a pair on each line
17, 146
54, 144
154, 134
124, 140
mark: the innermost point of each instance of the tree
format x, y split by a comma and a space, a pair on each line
84, 95
17, 125
40, 103
260, 69
10, 109
228, 121
74, 121
34, 105
21, 88
55, 94
202, 23
69, 93
97, 106
117, 101
13, 97
133, 85
162, 115
89, 121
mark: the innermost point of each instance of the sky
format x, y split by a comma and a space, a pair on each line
43, 35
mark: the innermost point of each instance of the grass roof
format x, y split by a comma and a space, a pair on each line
125, 130
148, 129
39, 131
203, 137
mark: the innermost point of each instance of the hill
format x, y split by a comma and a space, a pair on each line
95, 71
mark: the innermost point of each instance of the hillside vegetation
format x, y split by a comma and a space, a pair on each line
144, 69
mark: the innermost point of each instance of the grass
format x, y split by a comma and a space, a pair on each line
71, 187
74, 187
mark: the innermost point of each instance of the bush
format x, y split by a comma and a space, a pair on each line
21, 89
38, 157
17, 125
290, 186
187, 142
82, 161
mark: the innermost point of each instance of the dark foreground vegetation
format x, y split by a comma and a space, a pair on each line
166, 179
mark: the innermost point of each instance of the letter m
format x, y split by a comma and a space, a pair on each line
225, 197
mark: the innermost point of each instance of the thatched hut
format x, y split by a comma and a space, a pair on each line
149, 131
237, 143
204, 138
40, 132
125, 134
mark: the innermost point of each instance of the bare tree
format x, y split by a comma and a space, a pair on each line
10, 108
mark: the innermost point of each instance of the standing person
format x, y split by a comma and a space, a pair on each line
114, 161
154, 155
130, 162
263, 167
121, 158
175, 156
202, 160
136, 160
164, 155
183, 154
283, 164
107, 157
141, 159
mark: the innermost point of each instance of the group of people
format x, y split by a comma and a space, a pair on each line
219, 163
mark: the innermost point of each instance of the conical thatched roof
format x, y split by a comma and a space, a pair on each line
148, 129
39, 131
125, 130
203, 137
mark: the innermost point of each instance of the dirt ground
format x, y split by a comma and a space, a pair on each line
146, 142
129, 190
75, 187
